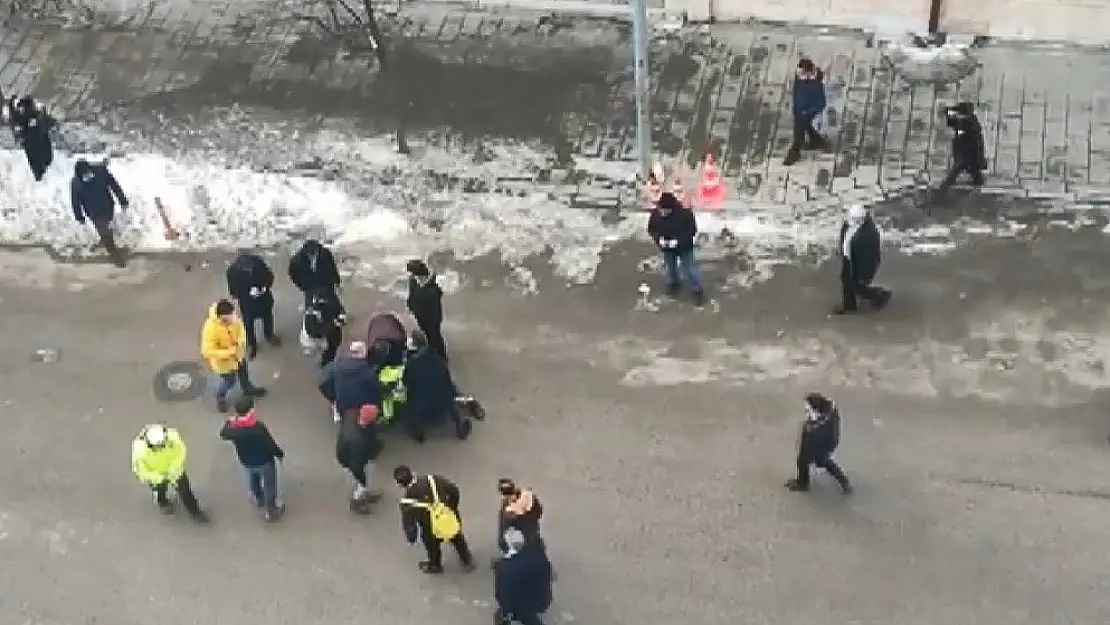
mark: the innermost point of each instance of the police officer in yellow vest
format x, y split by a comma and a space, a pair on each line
394, 392
158, 456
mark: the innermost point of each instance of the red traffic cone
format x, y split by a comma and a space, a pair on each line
711, 192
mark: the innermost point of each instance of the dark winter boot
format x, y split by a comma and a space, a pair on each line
797, 486
274, 340
430, 569
699, 298
791, 157
882, 300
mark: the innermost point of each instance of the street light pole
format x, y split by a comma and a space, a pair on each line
640, 39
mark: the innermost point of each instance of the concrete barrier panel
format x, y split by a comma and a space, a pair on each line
1074, 21
883, 15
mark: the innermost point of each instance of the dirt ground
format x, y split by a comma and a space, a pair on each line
660, 442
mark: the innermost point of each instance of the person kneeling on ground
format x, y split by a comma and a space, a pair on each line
351, 384
819, 438
673, 228
431, 393
522, 581
158, 457
223, 345
258, 453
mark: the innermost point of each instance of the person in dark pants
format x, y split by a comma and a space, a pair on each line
425, 302
324, 318
93, 195
520, 509
223, 345
420, 495
31, 126
968, 148
819, 438
674, 228
250, 282
860, 254
522, 580
809, 101
258, 454
431, 393
158, 457
351, 385
313, 268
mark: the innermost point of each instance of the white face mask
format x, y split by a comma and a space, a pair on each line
87, 176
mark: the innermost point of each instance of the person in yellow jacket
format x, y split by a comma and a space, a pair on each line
223, 345
158, 459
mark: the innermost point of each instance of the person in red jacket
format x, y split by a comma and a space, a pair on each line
674, 229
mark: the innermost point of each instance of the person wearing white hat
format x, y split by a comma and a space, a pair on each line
860, 255
158, 456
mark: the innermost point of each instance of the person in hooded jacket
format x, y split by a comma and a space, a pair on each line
860, 254
351, 385
250, 282
93, 195
522, 581
324, 318
968, 147
809, 101
31, 126
674, 228
819, 438
258, 454
313, 268
425, 302
431, 393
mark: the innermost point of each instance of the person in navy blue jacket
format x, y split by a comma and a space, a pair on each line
809, 101
350, 383
93, 194
673, 228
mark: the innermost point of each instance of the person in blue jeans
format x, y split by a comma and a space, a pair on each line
259, 454
673, 228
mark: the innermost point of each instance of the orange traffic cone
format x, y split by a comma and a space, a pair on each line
170, 231
711, 192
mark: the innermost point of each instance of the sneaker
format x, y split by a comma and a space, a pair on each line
274, 515
430, 569
360, 493
796, 486
882, 300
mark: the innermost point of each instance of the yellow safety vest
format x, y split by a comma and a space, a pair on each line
395, 391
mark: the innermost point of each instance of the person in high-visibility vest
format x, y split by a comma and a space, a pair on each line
394, 392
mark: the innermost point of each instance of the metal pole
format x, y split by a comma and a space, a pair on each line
640, 39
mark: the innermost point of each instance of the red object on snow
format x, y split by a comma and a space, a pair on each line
711, 191
168, 228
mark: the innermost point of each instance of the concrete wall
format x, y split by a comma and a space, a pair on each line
885, 14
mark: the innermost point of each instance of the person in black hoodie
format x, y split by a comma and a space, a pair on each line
673, 228
860, 252
819, 438
258, 453
313, 268
425, 302
93, 194
324, 318
250, 282
431, 393
416, 519
968, 148
31, 126
351, 385
522, 581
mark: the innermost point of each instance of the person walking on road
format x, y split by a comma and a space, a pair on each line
819, 438
93, 195
430, 512
223, 345
351, 385
258, 454
425, 302
158, 457
250, 282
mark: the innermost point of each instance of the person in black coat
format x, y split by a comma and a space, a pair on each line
673, 228
860, 253
258, 453
522, 581
31, 126
968, 147
425, 302
416, 519
431, 393
93, 195
351, 385
313, 268
251, 283
324, 318
819, 438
